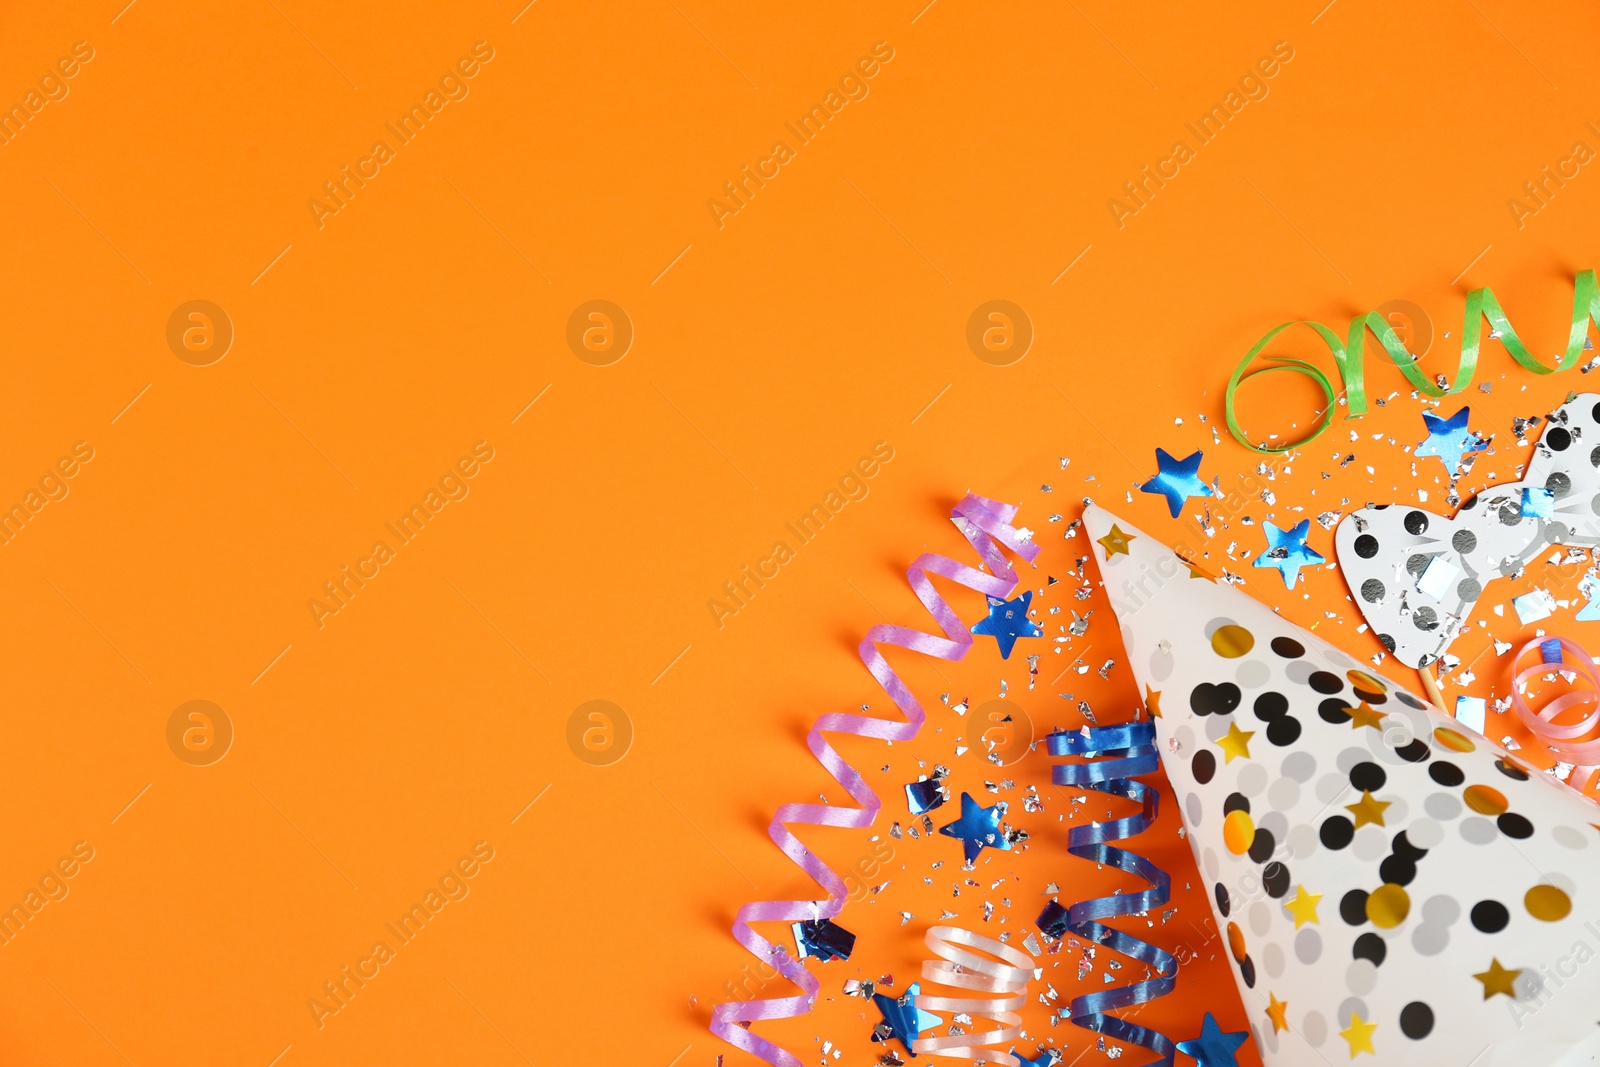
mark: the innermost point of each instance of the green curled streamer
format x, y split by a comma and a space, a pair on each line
1295, 366
1349, 356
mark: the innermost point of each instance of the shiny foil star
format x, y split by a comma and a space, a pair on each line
1287, 550
978, 828
1152, 702
903, 1018
1277, 1011
1177, 480
1303, 907
1365, 716
1235, 743
1368, 809
1359, 1035
1115, 541
1213, 1048
1498, 980
1449, 439
1007, 621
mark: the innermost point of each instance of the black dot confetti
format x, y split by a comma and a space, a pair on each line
1490, 916
1446, 774
1370, 946
1416, 1020
1513, 825
1368, 776
1219, 699
1326, 682
1336, 832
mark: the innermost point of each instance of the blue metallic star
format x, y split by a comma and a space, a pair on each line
904, 1019
1288, 551
1007, 621
978, 827
1213, 1048
1449, 439
1177, 480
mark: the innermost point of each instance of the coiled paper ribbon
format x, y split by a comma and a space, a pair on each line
962, 969
1559, 654
1349, 356
986, 524
1130, 749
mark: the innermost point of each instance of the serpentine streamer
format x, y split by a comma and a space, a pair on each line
1129, 749
986, 524
1349, 355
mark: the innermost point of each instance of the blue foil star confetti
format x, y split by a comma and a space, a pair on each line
1213, 1048
1007, 621
1449, 439
978, 828
1048, 1057
824, 939
902, 1020
1288, 551
1177, 480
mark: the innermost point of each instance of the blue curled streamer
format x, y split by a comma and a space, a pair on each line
1130, 749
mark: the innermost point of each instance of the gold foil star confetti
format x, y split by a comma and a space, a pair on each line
1236, 742
1368, 809
1303, 907
1115, 541
1365, 716
1276, 1010
1498, 980
1359, 1035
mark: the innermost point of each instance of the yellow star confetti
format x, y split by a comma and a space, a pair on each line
1369, 809
1303, 907
1115, 541
1498, 980
1359, 1035
1235, 742
1152, 701
1276, 1010
1365, 716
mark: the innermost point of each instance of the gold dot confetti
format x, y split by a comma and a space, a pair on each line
1238, 830
1548, 903
1485, 800
1388, 905
1231, 642
1454, 740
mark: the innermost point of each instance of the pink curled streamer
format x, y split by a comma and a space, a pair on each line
963, 969
1561, 740
986, 524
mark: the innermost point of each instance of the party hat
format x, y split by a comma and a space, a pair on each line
1388, 883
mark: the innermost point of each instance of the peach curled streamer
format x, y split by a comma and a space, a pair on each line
962, 969
1557, 654
986, 524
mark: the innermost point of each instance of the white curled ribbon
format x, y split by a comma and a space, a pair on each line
960, 968
1566, 740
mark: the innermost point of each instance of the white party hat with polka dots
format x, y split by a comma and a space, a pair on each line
1388, 883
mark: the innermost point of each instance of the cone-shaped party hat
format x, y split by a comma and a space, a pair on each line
1389, 884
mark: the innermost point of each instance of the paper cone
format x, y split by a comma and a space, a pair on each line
1458, 924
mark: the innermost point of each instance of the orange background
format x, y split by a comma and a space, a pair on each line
769, 354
